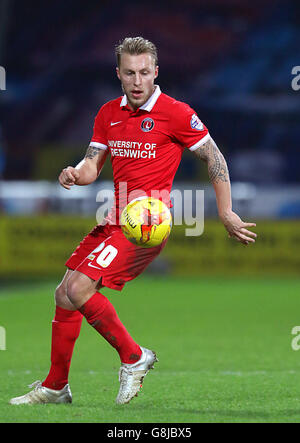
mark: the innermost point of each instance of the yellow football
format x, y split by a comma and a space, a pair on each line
146, 222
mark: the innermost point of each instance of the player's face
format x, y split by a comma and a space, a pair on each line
137, 74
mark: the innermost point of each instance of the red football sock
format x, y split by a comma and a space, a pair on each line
101, 314
65, 330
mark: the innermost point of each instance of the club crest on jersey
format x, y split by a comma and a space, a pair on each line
196, 123
147, 124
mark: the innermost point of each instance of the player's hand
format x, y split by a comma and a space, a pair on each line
68, 177
238, 229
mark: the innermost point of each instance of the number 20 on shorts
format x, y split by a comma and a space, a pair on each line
107, 254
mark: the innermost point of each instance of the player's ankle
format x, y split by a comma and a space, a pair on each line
54, 385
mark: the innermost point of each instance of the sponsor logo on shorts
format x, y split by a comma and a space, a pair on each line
93, 266
147, 124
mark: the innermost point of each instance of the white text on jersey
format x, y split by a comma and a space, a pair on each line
132, 149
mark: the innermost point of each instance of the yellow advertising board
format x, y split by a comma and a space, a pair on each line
39, 246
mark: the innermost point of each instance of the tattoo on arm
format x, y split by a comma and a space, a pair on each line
216, 163
92, 152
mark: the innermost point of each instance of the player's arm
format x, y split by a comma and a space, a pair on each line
219, 177
86, 171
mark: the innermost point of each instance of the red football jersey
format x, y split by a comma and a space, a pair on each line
146, 145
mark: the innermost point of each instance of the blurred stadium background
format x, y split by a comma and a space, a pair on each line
231, 61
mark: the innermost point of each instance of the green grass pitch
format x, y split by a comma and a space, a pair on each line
224, 349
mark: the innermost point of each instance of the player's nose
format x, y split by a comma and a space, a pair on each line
137, 79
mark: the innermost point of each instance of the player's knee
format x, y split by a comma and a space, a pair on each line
60, 294
73, 290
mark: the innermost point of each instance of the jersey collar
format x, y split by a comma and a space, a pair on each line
148, 106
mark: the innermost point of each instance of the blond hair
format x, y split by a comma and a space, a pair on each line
135, 46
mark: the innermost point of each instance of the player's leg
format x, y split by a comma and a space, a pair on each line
65, 330
136, 361
83, 293
67, 321
66, 327
116, 261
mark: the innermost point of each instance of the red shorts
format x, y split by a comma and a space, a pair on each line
107, 254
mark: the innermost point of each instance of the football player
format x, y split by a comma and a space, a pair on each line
144, 133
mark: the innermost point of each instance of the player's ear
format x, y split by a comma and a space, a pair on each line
156, 72
118, 73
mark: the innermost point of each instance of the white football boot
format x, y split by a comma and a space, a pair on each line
41, 394
131, 376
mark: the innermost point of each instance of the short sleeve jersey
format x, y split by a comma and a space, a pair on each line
146, 145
